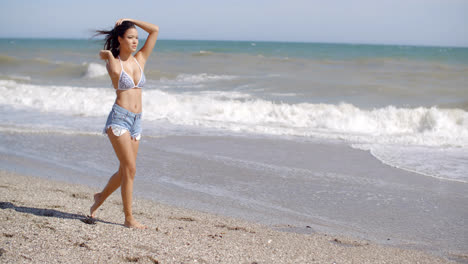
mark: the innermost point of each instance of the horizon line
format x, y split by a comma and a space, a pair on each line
271, 41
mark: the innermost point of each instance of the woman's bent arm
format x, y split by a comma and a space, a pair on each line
113, 65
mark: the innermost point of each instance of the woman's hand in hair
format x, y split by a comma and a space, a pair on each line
120, 21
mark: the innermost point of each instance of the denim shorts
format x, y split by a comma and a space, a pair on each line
120, 120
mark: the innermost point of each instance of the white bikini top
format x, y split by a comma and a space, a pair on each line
126, 81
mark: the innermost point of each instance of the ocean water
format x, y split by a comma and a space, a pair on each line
362, 140
406, 105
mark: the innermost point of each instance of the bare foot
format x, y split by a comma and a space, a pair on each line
134, 224
97, 202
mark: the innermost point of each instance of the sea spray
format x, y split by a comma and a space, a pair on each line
234, 111
94, 70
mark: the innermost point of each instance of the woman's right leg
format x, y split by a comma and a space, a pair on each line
126, 150
112, 185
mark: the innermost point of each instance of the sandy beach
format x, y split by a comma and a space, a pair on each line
44, 221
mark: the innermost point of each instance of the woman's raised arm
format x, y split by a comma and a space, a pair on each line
152, 30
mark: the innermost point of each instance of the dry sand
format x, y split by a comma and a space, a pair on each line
42, 221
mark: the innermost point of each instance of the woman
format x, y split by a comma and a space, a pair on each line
123, 124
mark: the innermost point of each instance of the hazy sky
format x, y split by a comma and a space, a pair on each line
419, 22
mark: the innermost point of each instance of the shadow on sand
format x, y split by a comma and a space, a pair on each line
53, 213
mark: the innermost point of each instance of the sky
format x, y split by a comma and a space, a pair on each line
402, 22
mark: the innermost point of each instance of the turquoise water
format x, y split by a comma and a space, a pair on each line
364, 75
272, 49
320, 50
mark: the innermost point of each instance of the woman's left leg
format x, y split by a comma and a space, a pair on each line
126, 189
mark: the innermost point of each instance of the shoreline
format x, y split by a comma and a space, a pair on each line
41, 222
281, 184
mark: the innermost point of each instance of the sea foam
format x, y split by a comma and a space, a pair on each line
238, 112
444, 163
58, 99
95, 70
198, 78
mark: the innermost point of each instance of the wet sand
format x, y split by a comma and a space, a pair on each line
287, 185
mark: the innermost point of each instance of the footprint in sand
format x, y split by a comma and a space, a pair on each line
188, 219
348, 243
80, 195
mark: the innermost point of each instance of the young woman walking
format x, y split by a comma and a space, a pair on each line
125, 66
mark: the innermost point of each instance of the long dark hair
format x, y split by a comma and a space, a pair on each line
111, 36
